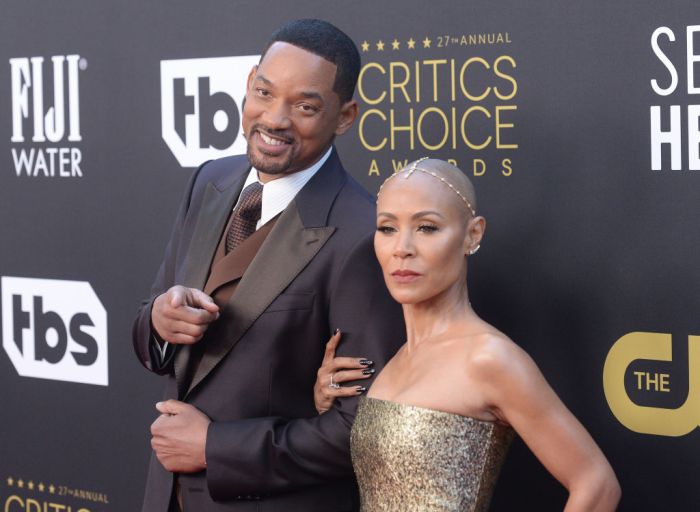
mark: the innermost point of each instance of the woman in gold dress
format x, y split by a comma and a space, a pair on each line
433, 430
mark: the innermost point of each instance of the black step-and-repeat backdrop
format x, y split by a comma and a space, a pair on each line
579, 123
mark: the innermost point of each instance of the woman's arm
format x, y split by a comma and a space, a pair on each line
517, 393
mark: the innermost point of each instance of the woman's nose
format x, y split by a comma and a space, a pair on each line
404, 246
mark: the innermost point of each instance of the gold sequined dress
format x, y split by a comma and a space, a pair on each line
409, 458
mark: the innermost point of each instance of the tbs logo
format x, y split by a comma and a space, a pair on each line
55, 330
201, 102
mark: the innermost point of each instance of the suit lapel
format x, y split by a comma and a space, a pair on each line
285, 253
298, 235
215, 211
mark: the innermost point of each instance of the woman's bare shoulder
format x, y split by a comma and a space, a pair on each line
492, 353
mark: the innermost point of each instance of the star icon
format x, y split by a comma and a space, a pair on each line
10, 481
365, 46
20, 483
395, 44
52, 489
380, 46
30, 485
426, 43
41, 487
411, 44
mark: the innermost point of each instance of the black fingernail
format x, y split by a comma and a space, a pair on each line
337, 330
366, 362
368, 371
360, 389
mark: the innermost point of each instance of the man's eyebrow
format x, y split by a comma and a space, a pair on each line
263, 79
312, 95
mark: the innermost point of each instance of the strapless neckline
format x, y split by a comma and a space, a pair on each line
432, 410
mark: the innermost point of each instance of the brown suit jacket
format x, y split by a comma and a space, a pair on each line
267, 448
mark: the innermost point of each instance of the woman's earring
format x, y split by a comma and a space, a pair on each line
473, 251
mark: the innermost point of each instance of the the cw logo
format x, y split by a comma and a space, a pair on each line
654, 347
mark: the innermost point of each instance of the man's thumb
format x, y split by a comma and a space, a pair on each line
169, 407
204, 301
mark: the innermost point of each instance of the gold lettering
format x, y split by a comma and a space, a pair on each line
393, 84
435, 63
500, 125
663, 382
373, 168
361, 129
401, 128
417, 75
13, 499
507, 170
398, 164
653, 381
505, 76
466, 93
360, 84
445, 123
464, 122
479, 167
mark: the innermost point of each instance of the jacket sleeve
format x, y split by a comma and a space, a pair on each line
271, 455
145, 344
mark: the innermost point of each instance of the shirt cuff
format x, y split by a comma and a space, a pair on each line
161, 346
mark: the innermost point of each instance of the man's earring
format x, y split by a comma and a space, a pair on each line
473, 251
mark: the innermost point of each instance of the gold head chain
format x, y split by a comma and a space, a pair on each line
414, 167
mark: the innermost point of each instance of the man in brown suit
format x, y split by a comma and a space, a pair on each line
270, 253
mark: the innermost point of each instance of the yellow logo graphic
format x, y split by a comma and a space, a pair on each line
660, 421
428, 94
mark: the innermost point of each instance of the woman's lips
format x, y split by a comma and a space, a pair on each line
405, 276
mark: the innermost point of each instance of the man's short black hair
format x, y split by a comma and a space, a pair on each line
327, 41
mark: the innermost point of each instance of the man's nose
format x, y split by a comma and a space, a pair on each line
276, 116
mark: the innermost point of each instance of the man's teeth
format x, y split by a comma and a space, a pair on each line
270, 140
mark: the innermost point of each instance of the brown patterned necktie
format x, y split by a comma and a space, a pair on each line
245, 216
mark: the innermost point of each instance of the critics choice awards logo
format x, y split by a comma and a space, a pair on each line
39, 495
53, 329
46, 116
452, 95
201, 103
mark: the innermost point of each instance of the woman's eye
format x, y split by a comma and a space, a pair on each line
385, 229
428, 228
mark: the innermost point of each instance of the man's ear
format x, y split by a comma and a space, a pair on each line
346, 117
474, 235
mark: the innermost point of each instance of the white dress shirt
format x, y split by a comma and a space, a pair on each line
278, 193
